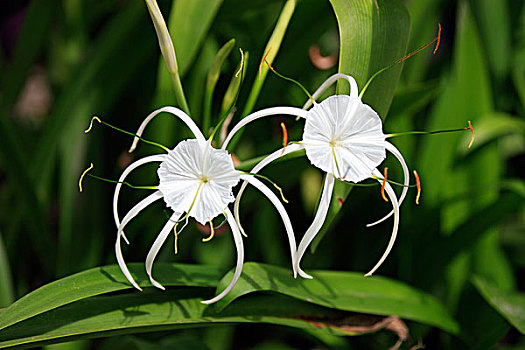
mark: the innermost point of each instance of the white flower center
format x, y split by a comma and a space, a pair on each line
344, 137
198, 178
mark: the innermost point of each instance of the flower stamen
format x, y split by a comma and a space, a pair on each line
281, 192
176, 235
91, 124
418, 183
383, 185
472, 130
82, 176
241, 65
263, 61
436, 39
285, 136
212, 234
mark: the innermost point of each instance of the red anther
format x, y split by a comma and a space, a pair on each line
383, 185
438, 38
340, 201
262, 62
473, 136
285, 136
418, 184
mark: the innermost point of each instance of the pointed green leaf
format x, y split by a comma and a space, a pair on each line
511, 305
371, 39
162, 311
348, 291
101, 280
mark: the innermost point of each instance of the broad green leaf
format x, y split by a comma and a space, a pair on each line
162, 311
496, 38
346, 291
6, 282
213, 76
102, 280
372, 39
442, 250
511, 305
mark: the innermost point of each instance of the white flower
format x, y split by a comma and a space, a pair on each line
343, 137
196, 179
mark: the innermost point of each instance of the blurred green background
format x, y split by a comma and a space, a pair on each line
61, 62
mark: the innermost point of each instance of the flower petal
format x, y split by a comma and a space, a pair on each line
198, 176
292, 111
317, 223
282, 211
326, 84
406, 180
393, 199
125, 173
176, 112
127, 218
240, 258
267, 160
159, 241
343, 136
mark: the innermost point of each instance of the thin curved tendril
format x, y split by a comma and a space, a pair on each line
402, 59
290, 80
122, 182
125, 132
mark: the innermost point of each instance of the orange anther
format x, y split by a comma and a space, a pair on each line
285, 136
383, 185
438, 38
418, 184
473, 136
262, 62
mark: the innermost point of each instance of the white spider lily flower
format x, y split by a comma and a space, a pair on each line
196, 179
344, 138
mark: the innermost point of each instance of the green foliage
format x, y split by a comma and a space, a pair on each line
452, 276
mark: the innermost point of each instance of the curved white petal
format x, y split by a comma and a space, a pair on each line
198, 176
125, 173
176, 112
326, 84
159, 241
406, 181
138, 208
282, 211
344, 137
127, 218
267, 160
317, 223
240, 258
292, 111
395, 205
